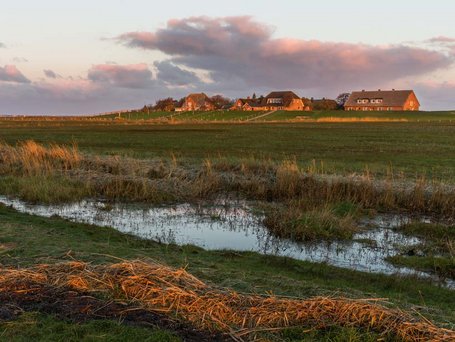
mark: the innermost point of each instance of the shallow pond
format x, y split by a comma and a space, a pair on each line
233, 226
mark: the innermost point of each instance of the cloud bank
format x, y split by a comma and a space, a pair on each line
243, 48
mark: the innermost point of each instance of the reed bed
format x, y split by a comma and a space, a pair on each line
161, 180
175, 292
30, 158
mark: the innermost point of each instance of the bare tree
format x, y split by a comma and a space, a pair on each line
219, 101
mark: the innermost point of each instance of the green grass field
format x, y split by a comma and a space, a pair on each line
411, 148
217, 115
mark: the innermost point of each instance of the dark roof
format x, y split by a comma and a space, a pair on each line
199, 98
286, 96
392, 98
251, 102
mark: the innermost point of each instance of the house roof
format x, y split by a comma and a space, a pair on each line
251, 102
199, 98
392, 98
286, 96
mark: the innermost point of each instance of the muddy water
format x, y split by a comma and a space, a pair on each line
232, 226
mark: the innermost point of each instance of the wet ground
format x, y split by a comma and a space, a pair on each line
233, 226
79, 307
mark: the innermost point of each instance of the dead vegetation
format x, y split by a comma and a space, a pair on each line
30, 158
33, 172
176, 293
78, 307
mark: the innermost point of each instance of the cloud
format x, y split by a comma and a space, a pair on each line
239, 47
10, 73
444, 44
2, 45
136, 76
175, 76
442, 39
107, 87
20, 60
436, 95
50, 74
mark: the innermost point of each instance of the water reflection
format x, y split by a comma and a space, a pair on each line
232, 226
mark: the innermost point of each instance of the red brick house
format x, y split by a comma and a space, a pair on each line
383, 100
196, 102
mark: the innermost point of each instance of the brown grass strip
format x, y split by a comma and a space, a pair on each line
159, 288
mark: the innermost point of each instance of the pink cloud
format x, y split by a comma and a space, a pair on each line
10, 73
241, 48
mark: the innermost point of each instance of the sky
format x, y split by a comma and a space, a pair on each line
85, 57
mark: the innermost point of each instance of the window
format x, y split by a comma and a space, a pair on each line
276, 101
376, 100
363, 101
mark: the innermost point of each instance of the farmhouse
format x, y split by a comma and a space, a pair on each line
247, 104
383, 100
199, 101
276, 100
282, 100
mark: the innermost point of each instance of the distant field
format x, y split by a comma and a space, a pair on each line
239, 116
414, 148
184, 116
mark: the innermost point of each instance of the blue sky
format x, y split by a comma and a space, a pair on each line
75, 40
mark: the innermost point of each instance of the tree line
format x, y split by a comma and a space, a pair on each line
169, 104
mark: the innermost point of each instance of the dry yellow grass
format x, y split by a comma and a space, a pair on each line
30, 158
351, 119
159, 288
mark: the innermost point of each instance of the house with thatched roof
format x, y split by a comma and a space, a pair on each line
196, 102
247, 104
282, 100
276, 100
383, 100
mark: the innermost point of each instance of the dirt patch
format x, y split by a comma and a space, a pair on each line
5, 247
80, 307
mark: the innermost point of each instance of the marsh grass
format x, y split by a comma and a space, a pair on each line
44, 189
436, 252
316, 224
303, 201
